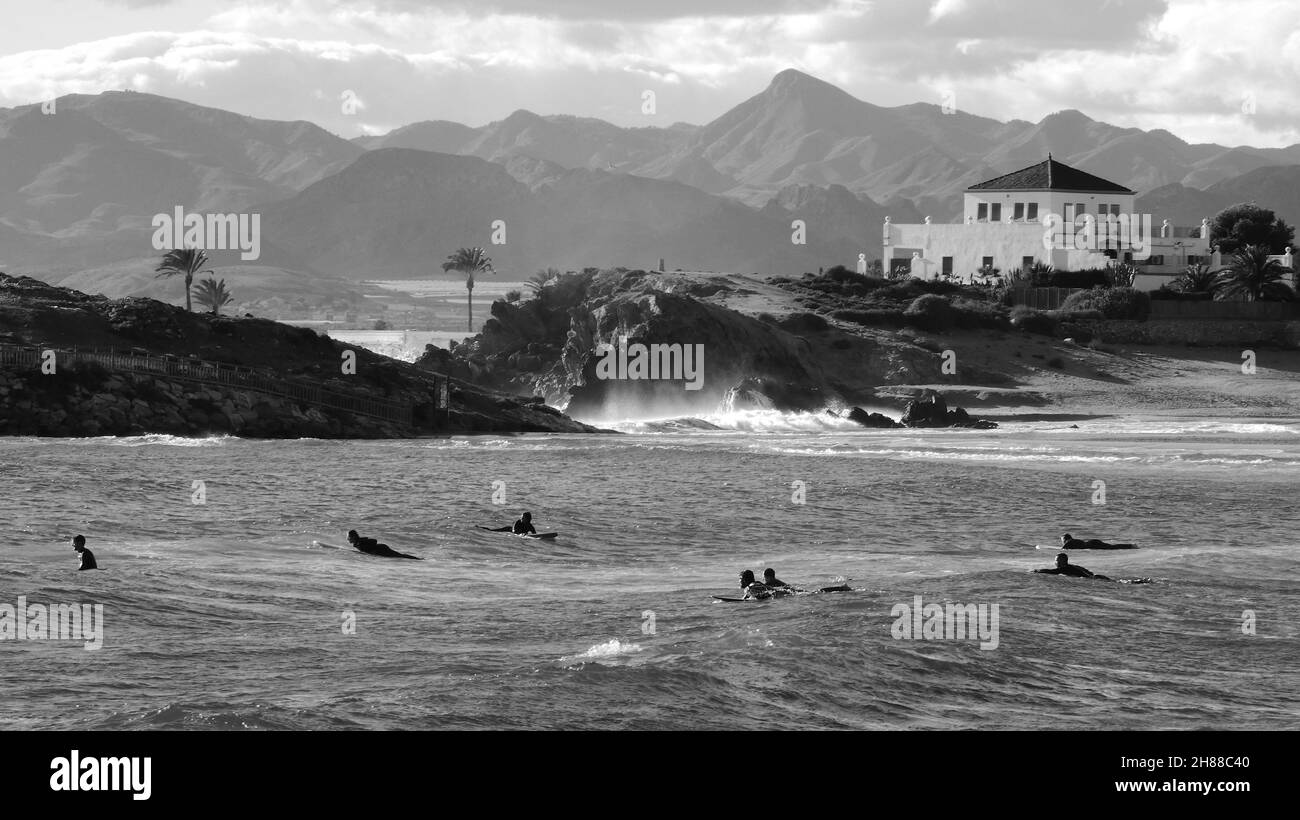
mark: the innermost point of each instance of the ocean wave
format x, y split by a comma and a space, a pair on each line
613, 648
165, 440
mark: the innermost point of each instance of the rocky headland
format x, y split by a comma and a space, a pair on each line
72, 364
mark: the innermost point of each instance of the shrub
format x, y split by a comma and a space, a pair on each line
931, 312
1034, 321
514, 295
978, 313
1114, 303
1080, 315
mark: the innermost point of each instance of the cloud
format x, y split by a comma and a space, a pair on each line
1184, 65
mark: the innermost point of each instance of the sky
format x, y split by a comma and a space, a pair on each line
1225, 71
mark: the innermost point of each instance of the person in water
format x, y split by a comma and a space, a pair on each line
752, 588
772, 582
1064, 567
372, 547
524, 526
1070, 543
87, 557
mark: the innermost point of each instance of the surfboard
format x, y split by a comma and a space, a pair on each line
1060, 548
544, 536
736, 600
323, 545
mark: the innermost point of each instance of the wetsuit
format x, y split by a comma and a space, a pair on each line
521, 527
372, 547
87, 560
757, 590
1073, 571
1094, 544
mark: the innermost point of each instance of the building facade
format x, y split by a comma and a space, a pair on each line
1048, 213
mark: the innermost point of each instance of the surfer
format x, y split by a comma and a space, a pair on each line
372, 547
1070, 543
1064, 567
771, 581
87, 557
524, 526
752, 588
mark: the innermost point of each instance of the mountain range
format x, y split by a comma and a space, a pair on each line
79, 186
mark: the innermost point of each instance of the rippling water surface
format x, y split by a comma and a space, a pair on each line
223, 615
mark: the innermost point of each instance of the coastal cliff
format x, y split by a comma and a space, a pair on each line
550, 346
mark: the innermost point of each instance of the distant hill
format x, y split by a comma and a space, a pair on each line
1274, 187
803, 131
397, 213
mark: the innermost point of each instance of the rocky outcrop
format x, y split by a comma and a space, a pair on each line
928, 411
877, 420
552, 346
222, 359
932, 411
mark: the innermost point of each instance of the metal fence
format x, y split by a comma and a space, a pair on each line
1042, 298
218, 374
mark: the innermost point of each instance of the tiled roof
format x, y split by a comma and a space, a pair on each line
1049, 175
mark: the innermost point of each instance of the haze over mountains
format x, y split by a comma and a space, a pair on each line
78, 187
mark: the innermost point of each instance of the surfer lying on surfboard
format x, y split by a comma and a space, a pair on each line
372, 547
1070, 543
524, 526
1064, 567
773, 587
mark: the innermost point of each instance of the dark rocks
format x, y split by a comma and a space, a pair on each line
928, 411
877, 420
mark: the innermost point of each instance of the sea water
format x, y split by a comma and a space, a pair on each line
218, 611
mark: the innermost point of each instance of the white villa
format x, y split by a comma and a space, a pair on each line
1047, 213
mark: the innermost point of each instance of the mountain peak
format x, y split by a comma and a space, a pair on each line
793, 79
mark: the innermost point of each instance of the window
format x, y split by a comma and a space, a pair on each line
1033, 211
1114, 209
996, 213
982, 212
1156, 259
987, 263
1068, 214
1081, 209
1026, 261
1019, 211
1193, 259
947, 266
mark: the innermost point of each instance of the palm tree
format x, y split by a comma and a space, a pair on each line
213, 295
184, 261
1198, 279
469, 261
539, 280
1255, 276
